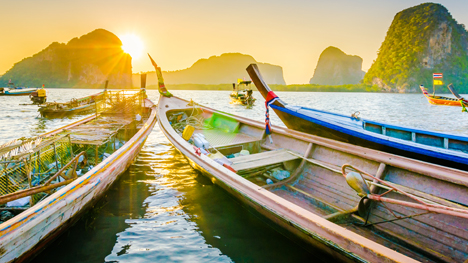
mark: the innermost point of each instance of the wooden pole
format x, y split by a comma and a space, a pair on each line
35, 190
56, 159
64, 168
96, 158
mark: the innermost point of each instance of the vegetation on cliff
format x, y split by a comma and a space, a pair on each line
83, 62
334, 67
420, 41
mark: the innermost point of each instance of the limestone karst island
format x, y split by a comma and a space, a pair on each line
214, 131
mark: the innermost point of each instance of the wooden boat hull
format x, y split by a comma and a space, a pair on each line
48, 113
23, 235
440, 100
319, 233
52, 111
446, 149
242, 101
18, 92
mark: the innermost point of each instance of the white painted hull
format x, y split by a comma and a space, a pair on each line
21, 236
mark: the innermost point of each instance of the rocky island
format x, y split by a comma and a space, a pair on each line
334, 67
87, 61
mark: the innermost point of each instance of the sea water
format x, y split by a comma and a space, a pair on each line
161, 210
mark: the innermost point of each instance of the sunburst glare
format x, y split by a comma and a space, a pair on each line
132, 45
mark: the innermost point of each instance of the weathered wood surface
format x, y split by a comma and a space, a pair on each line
301, 206
21, 236
261, 159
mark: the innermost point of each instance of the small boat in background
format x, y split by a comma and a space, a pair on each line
75, 106
242, 93
12, 90
47, 182
39, 96
440, 100
440, 148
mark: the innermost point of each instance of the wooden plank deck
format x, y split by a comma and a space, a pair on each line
219, 138
445, 235
261, 159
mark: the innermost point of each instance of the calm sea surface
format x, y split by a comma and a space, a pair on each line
162, 210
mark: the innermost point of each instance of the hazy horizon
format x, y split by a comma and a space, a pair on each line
291, 34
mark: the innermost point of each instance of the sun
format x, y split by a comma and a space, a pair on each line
132, 45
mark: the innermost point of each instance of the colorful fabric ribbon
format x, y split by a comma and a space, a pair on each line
161, 87
271, 98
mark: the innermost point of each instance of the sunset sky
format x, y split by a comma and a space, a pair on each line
289, 33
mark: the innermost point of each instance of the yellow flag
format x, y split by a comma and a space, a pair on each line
438, 82
239, 80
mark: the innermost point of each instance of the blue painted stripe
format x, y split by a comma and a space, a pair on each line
348, 119
402, 146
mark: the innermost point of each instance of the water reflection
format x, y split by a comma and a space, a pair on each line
163, 210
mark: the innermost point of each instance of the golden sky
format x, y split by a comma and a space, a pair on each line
289, 33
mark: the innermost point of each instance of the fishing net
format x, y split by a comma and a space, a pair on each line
32, 163
122, 101
195, 118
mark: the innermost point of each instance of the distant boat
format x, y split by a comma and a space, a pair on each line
12, 90
242, 93
75, 106
441, 100
39, 96
446, 149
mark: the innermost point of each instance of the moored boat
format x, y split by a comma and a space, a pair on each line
440, 148
47, 182
39, 96
75, 106
242, 93
304, 184
439, 100
12, 90
315, 202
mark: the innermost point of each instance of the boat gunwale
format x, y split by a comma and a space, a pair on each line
386, 125
424, 168
21, 222
432, 151
286, 210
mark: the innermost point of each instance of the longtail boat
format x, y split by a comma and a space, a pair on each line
242, 93
48, 181
463, 101
75, 106
354, 203
440, 148
12, 90
440, 100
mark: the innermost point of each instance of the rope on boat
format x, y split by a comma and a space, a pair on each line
463, 106
195, 120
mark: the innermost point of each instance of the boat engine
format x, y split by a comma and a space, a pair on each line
39, 96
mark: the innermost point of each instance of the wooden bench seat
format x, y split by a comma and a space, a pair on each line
261, 159
219, 138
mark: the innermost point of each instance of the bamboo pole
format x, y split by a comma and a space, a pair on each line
64, 168
35, 190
